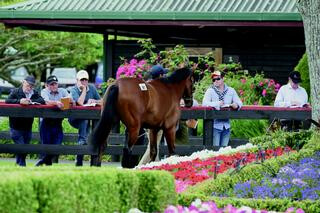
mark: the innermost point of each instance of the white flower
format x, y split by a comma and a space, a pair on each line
197, 203
134, 210
204, 154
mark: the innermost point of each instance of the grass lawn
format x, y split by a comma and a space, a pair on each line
10, 162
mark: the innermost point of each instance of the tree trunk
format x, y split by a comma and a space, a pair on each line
310, 12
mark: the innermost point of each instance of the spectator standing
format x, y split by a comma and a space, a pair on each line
291, 95
51, 128
21, 128
220, 95
83, 93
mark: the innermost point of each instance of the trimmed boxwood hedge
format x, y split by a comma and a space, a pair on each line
84, 190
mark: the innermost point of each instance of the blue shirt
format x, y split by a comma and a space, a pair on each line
47, 95
92, 93
211, 99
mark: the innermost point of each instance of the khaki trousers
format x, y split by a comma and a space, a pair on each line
146, 157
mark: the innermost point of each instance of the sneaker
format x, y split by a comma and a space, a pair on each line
39, 163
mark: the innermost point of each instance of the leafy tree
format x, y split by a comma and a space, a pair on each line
303, 68
36, 49
8, 2
310, 12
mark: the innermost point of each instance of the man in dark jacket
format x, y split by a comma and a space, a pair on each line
20, 128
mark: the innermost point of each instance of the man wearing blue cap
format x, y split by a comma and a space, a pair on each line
157, 71
20, 128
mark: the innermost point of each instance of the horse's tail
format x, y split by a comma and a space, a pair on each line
108, 118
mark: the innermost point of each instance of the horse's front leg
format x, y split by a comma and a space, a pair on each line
127, 150
170, 135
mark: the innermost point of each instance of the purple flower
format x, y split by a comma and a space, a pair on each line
298, 182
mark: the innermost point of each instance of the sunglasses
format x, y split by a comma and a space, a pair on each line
83, 79
216, 79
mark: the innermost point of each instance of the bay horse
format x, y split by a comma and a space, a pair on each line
153, 104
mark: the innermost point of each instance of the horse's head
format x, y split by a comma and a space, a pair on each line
188, 91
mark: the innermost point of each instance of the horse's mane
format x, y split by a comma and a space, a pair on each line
177, 76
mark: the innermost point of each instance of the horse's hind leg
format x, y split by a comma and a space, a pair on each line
127, 150
170, 135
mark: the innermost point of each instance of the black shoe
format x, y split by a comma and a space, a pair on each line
79, 163
79, 160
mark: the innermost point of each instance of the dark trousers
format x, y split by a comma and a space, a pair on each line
290, 125
129, 160
21, 137
50, 133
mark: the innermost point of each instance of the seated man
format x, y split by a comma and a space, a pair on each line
83, 93
291, 95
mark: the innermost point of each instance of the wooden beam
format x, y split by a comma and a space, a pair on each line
218, 55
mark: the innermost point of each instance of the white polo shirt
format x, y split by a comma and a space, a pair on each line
287, 95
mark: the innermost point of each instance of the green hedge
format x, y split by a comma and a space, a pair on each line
84, 190
224, 183
17, 194
295, 140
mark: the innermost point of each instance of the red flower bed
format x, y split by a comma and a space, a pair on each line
197, 170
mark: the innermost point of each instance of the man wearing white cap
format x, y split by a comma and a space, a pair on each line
220, 95
83, 93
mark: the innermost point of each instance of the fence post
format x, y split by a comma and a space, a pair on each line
207, 132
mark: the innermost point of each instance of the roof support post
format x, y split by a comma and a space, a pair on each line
107, 57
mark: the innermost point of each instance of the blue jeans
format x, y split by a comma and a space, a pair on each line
221, 137
50, 134
83, 130
21, 137
82, 126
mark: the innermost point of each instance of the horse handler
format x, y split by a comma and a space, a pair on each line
51, 128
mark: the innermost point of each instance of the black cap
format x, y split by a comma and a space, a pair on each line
52, 78
295, 77
30, 79
157, 70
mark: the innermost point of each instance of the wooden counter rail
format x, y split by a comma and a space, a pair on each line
93, 113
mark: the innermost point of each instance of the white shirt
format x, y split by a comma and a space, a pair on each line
287, 95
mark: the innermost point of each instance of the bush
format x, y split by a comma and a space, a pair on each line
54, 189
295, 140
151, 198
17, 194
303, 68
